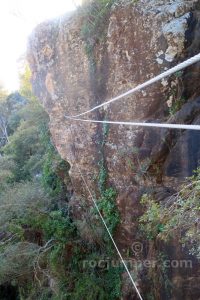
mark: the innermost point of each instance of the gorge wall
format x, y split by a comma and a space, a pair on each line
72, 72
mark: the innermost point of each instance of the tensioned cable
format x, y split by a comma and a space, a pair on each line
109, 233
113, 241
177, 68
167, 73
158, 125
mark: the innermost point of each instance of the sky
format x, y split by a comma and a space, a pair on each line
17, 20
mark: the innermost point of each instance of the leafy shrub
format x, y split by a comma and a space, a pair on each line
107, 206
87, 287
151, 221
7, 169
51, 181
94, 26
176, 106
39, 241
22, 200
179, 216
17, 260
96, 16
58, 227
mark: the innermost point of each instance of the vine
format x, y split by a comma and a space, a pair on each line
107, 200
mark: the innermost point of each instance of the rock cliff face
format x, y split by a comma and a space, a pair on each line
71, 74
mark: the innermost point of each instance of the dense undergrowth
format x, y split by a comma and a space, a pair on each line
42, 252
174, 222
177, 218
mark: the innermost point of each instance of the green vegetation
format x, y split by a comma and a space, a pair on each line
107, 205
176, 105
164, 223
94, 28
178, 217
42, 251
176, 98
107, 200
25, 146
96, 16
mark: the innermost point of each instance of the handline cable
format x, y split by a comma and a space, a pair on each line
167, 73
158, 125
109, 233
177, 68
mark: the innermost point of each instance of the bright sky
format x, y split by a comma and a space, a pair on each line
17, 20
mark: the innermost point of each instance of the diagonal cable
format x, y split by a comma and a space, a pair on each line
103, 221
167, 73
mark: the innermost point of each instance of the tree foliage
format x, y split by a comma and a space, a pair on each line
39, 241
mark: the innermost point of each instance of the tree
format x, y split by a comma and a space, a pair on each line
9, 118
25, 83
4, 113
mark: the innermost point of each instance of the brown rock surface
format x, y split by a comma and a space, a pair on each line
141, 41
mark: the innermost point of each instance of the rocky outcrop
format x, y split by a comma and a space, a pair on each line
138, 41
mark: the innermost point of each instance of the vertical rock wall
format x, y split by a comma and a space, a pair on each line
140, 40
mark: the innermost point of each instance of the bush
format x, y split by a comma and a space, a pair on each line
94, 26
22, 201
17, 260
179, 217
107, 206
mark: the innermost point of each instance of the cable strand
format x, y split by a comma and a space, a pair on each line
109, 233
143, 124
167, 73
